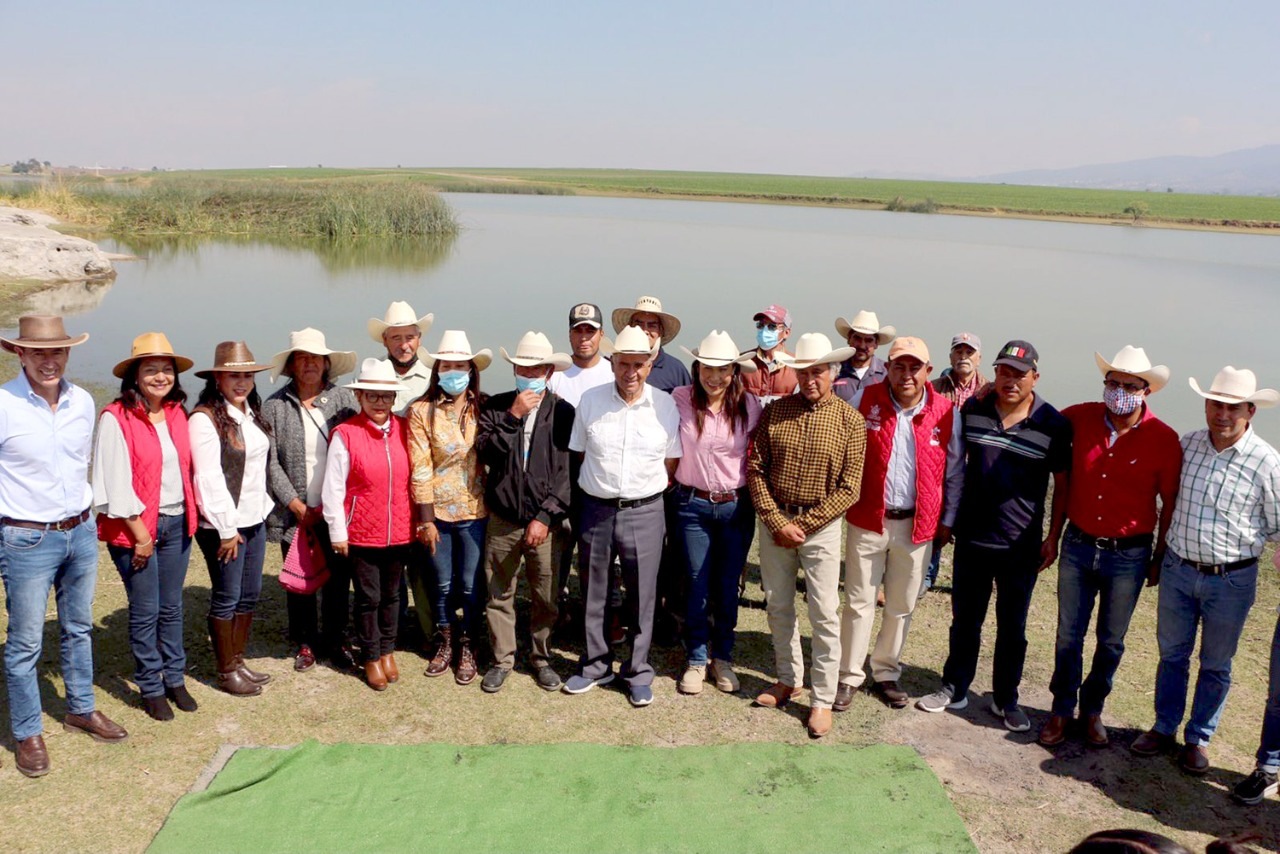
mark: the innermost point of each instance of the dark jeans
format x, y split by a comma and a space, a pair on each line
931, 573
1012, 571
1114, 579
155, 607
377, 574
333, 598
457, 561
1269, 750
236, 584
715, 539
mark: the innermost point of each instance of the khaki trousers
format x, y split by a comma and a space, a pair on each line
819, 558
873, 559
504, 551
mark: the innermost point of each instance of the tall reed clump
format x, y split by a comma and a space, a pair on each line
65, 200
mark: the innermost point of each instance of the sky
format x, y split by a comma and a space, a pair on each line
959, 89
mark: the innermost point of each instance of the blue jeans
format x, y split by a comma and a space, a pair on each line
457, 560
32, 561
715, 539
236, 584
931, 574
1269, 751
155, 607
1114, 579
1218, 606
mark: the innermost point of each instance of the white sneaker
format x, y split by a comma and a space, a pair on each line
941, 700
720, 672
691, 681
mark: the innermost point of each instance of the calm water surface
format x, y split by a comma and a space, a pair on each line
1196, 301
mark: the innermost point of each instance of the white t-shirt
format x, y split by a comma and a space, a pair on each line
569, 385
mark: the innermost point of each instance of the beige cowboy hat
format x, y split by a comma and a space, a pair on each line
454, 347
648, 305
231, 356
632, 340
311, 341
42, 331
867, 323
150, 344
398, 314
718, 350
1133, 360
533, 350
814, 348
1232, 385
376, 375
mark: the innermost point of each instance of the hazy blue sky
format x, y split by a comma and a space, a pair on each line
814, 88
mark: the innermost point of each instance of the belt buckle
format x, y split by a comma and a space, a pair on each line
721, 497
1107, 544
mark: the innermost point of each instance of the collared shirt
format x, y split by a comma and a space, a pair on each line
1228, 501
415, 380
947, 386
626, 446
568, 385
1115, 482
218, 509
716, 460
446, 470
875, 372
668, 372
807, 455
44, 453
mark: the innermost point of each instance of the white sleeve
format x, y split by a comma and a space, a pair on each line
333, 495
113, 472
215, 501
578, 435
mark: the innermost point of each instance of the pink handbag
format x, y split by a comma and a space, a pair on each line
304, 569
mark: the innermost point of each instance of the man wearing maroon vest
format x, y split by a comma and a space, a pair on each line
911, 483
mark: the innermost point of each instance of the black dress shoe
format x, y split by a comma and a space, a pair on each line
844, 697
181, 697
548, 679
1194, 759
32, 757
157, 708
494, 679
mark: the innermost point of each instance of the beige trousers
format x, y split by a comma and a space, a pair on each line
504, 552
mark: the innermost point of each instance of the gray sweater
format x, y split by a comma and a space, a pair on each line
286, 467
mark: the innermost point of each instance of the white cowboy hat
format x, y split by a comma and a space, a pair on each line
867, 323
1237, 386
649, 305
633, 340
814, 348
1133, 360
533, 350
398, 314
376, 375
718, 350
454, 347
311, 340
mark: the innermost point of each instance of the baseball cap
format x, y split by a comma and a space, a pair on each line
1018, 354
908, 346
585, 312
968, 339
775, 314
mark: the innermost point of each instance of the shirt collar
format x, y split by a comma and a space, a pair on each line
24, 383
236, 415
646, 395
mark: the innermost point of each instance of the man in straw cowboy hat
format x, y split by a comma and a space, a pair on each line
662, 328
864, 334
400, 330
629, 436
1228, 506
523, 438
804, 469
47, 534
1124, 477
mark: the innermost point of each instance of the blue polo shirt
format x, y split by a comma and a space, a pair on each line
1006, 475
668, 372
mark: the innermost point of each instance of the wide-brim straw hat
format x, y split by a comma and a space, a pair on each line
621, 317
376, 375
718, 350
533, 350
454, 347
1233, 385
151, 345
814, 348
1133, 360
232, 356
398, 314
634, 341
42, 331
311, 341
867, 323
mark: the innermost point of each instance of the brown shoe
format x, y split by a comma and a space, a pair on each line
1054, 731
894, 696
844, 697
1193, 759
819, 722
777, 695
1151, 743
466, 672
374, 675
389, 668
1095, 732
32, 759
443, 655
96, 725
305, 659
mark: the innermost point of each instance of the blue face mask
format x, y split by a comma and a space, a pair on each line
454, 382
537, 385
767, 338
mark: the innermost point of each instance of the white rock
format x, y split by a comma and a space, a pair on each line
31, 251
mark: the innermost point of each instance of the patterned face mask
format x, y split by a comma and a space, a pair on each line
1121, 402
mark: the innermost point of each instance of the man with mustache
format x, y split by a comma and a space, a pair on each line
400, 330
864, 334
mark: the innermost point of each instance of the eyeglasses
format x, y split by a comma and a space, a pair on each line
1132, 388
760, 324
380, 396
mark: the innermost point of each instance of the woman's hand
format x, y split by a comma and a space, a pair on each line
142, 553
298, 508
340, 549
229, 548
428, 535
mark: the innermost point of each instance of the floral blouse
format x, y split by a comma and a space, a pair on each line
446, 469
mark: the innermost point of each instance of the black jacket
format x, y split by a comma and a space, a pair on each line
519, 494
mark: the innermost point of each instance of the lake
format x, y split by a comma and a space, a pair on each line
1195, 300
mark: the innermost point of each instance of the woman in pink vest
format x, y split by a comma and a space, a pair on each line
143, 495
365, 500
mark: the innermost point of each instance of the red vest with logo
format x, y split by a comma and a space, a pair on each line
932, 426
147, 464
377, 505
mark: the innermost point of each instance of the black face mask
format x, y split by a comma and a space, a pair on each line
404, 366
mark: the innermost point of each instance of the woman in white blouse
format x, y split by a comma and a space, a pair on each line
230, 443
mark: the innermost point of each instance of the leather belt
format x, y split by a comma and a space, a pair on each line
626, 503
63, 525
795, 509
899, 514
715, 497
1111, 544
1220, 568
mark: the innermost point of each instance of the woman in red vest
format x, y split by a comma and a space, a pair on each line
365, 501
143, 495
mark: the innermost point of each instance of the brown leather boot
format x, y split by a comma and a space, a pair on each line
389, 668
466, 672
443, 655
244, 622
229, 678
374, 675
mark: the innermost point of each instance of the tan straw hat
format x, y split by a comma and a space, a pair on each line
647, 305
42, 331
718, 350
454, 347
814, 348
232, 356
398, 314
867, 323
1233, 385
533, 350
1133, 360
376, 375
311, 341
150, 344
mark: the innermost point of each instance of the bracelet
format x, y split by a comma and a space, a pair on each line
143, 545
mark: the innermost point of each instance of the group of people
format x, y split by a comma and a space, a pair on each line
409, 478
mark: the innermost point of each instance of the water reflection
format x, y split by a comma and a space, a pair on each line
415, 255
66, 298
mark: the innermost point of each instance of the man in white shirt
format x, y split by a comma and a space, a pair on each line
400, 330
47, 535
587, 348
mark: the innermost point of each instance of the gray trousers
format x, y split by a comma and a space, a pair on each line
635, 535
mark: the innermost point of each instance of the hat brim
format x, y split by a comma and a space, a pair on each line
621, 319
839, 354
559, 361
1263, 398
884, 334
341, 362
74, 341
745, 360
1157, 376
481, 358
236, 369
181, 363
376, 327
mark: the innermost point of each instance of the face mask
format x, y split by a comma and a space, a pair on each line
537, 385
767, 338
455, 382
1121, 402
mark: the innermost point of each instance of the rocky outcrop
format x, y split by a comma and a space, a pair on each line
32, 251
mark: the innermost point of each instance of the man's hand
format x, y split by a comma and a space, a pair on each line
536, 534
789, 536
1048, 553
525, 402
941, 537
1153, 569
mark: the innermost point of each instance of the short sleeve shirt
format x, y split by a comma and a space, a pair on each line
625, 447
